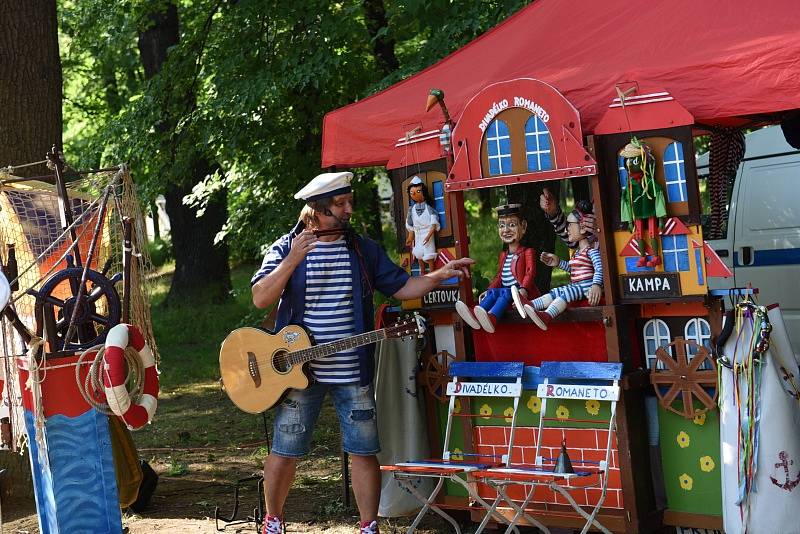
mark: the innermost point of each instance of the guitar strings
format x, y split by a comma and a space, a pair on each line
289, 359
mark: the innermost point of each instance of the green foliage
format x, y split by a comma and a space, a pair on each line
246, 87
160, 252
189, 335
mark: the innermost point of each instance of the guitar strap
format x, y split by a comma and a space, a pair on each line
353, 243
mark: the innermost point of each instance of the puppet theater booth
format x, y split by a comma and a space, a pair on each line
77, 316
511, 118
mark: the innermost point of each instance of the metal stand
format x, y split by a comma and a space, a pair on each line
257, 515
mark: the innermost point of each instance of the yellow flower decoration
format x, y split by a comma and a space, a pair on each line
593, 407
683, 439
485, 411
562, 412
508, 412
457, 455
457, 407
707, 464
686, 482
535, 404
699, 418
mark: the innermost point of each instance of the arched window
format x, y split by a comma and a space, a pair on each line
498, 148
656, 334
675, 173
699, 331
537, 145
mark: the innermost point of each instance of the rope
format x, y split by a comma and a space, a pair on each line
10, 168
92, 388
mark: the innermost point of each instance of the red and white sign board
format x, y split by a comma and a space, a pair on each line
560, 118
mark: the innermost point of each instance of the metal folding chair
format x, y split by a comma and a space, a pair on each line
560, 380
469, 379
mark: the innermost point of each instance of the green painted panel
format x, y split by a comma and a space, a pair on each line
690, 457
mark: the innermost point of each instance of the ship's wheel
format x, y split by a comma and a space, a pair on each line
99, 310
433, 374
685, 378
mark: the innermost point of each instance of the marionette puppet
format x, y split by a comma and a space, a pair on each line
516, 270
585, 268
422, 223
642, 199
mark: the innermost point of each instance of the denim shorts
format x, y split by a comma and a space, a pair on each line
296, 417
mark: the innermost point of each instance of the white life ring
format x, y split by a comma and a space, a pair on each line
135, 415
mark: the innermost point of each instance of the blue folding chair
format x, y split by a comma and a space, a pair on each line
469, 379
559, 380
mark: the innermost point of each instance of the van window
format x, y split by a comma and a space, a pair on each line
767, 188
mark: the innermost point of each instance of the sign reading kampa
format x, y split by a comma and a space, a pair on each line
651, 286
575, 391
485, 389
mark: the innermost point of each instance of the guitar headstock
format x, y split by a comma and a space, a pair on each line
408, 326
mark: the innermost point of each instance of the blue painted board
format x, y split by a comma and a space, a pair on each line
531, 377
582, 370
486, 369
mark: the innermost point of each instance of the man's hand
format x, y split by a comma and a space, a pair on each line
594, 294
410, 238
416, 286
459, 268
549, 259
548, 203
301, 245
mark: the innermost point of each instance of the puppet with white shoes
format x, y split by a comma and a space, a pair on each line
422, 223
585, 268
516, 271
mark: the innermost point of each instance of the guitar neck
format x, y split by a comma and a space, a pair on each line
326, 349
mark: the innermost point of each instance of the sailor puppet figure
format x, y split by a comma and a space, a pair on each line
516, 269
422, 223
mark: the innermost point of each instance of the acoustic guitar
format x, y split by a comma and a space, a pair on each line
259, 367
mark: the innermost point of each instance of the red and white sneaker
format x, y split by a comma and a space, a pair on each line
487, 320
466, 314
519, 301
273, 525
539, 318
368, 527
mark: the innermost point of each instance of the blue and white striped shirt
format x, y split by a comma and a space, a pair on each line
329, 310
506, 276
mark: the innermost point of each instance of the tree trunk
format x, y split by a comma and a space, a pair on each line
201, 267
382, 45
30, 100
30, 83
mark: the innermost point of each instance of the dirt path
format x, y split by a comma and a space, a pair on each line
200, 445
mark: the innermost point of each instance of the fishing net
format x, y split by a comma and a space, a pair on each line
31, 219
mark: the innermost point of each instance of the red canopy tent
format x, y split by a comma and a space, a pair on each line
721, 61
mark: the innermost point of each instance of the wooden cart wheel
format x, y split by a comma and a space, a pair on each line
682, 375
433, 375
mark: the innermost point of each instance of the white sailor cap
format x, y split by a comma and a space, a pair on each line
416, 180
325, 185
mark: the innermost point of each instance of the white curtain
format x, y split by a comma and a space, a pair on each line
401, 422
774, 504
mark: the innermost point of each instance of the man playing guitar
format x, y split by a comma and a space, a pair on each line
323, 277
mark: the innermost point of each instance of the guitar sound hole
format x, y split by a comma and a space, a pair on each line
280, 361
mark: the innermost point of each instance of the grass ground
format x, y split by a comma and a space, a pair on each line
200, 443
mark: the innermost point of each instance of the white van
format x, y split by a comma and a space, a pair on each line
762, 242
